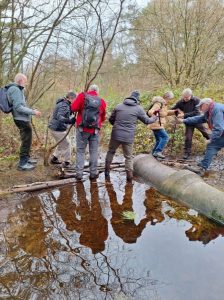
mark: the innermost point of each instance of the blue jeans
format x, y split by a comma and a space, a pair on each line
162, 139
211, 150
82, 140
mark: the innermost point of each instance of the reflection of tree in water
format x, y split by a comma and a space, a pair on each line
201, 229
84, 217
55, 266
27, 228
127, 230
41, 256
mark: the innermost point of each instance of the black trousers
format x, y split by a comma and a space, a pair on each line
25, 131
189, 131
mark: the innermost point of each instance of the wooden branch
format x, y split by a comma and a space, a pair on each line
35, 131
55, 24
38, 98
36, 186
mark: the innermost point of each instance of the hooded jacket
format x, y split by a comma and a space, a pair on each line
124, 119
20, 110
61, 114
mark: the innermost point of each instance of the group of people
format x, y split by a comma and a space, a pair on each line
72, 110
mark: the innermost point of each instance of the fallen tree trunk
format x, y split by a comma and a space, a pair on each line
36, 186
182, 185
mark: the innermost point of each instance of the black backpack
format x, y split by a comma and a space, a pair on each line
91, 112
5, 105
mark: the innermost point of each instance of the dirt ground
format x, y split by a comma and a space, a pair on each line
10, 176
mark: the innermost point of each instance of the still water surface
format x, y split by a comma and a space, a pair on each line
97, 240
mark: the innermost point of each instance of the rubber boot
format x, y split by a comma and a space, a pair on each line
107, 170
129, 175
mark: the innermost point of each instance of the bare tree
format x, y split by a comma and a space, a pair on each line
181, 40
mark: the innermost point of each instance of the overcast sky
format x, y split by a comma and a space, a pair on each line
142, 3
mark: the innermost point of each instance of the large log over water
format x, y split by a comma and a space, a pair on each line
182, 185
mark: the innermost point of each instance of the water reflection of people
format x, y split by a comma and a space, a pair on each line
84, 217
127, 230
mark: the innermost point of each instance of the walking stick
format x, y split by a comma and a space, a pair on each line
173, 136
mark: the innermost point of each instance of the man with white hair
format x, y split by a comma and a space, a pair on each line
213, 114
91, 111
22, 118
187, 107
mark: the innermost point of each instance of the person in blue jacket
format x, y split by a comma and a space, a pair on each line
213, 114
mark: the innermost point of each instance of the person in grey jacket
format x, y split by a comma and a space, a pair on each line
124, 120
213, 114
58, 125
22, 118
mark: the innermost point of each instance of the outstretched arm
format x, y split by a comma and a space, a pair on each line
195, 120
142, 116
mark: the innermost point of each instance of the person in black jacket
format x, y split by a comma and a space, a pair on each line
58, 125
187, 107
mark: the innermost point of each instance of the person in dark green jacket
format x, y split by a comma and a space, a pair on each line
22, 117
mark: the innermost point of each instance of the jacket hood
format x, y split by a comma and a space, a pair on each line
158, 100
60, 100
131, 101
14, 84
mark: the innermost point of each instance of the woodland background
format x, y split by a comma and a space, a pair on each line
67, 45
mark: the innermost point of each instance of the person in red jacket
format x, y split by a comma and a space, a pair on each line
88, 133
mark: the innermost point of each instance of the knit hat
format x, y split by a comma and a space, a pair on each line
71, 95
135, 94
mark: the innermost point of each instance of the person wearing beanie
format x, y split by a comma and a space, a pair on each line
124, 119
58, 126
213, 114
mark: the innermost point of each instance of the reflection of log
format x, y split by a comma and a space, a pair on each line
181, 185
36, 186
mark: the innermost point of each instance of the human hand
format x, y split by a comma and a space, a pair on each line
37, 113
153, 118
179, 113
207, 142
156, 112
179, 120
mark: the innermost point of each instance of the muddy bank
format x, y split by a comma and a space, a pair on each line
9, 175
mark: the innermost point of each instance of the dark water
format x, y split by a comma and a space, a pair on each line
81, 242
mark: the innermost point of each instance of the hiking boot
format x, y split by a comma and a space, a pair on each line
32, 161
54, 161
198, 170
25, 167
129, 174
78, 177
67, 165
159, 155
186, 155
93, 177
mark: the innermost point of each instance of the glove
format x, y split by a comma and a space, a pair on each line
73, 120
